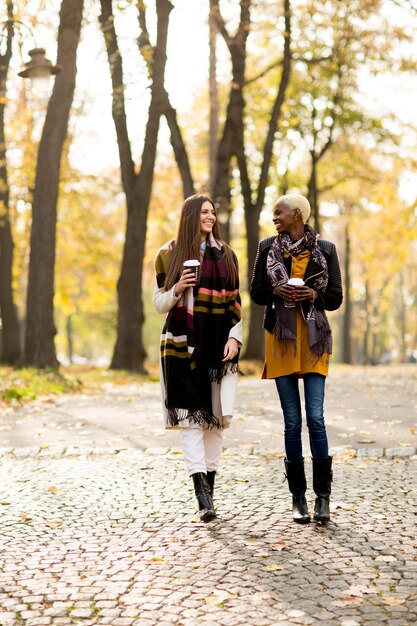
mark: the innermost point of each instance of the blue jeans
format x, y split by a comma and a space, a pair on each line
289, 396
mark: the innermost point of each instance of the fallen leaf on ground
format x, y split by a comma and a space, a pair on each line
54, 523
215, 600
351, 601
25, 517
345, 507
393, 601
274, 568
158, 559
53, 489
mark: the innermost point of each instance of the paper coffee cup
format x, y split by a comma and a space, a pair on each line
193, 264
295, 282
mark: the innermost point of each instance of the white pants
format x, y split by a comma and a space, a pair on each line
201, 448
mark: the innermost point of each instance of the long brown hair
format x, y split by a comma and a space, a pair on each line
188, 239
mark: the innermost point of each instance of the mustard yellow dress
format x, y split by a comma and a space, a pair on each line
303, 361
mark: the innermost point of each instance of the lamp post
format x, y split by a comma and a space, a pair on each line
38, 66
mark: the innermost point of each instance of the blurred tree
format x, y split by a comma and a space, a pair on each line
91, 216
10, 336
149, 53
340, 39
39, 350
129, 352
232, 143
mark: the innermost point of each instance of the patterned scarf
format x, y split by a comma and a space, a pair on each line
194, 335
318, 328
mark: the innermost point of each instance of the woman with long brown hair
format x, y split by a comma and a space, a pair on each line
200, 340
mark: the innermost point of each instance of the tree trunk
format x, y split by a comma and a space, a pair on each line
178, 146
367, 331
228, 144
313, 193
214, 101
347, 316
129, 351
70, 343
40, 328
10, 344
255, 343
402, 319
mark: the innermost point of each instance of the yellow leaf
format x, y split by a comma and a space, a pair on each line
274, 568
352, 600
25, 517
158, 559
56, 523
393, 601
213, 600
53, 489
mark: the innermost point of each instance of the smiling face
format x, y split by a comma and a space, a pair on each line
284, 217
207, 219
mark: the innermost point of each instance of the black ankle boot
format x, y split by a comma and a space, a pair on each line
322, 481
205, 501
210, 479
297, 484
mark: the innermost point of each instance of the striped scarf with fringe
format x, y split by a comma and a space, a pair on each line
194, 335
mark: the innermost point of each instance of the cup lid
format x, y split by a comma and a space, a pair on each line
296, 282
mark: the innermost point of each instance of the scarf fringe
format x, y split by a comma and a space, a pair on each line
216, 375
200, 416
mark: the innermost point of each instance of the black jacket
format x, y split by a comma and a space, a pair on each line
261, 290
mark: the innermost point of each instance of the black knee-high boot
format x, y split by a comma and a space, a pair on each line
322, 482
297, 484
205, 501
210, 479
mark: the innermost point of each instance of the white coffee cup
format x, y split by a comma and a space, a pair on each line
193, 264
293, 282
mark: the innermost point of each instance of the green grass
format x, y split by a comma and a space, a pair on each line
18, 386
23, 385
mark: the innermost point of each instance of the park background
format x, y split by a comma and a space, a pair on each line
244, 100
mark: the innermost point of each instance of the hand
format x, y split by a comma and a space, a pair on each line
304, 293
230, 349
292, 293
187, 280
285, 292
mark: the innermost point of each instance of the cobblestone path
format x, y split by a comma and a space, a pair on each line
104, 538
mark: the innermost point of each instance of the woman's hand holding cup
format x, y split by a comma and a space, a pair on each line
189, 276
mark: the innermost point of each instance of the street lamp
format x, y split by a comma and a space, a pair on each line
39, 68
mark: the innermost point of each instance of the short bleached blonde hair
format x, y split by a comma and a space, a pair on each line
297, 201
